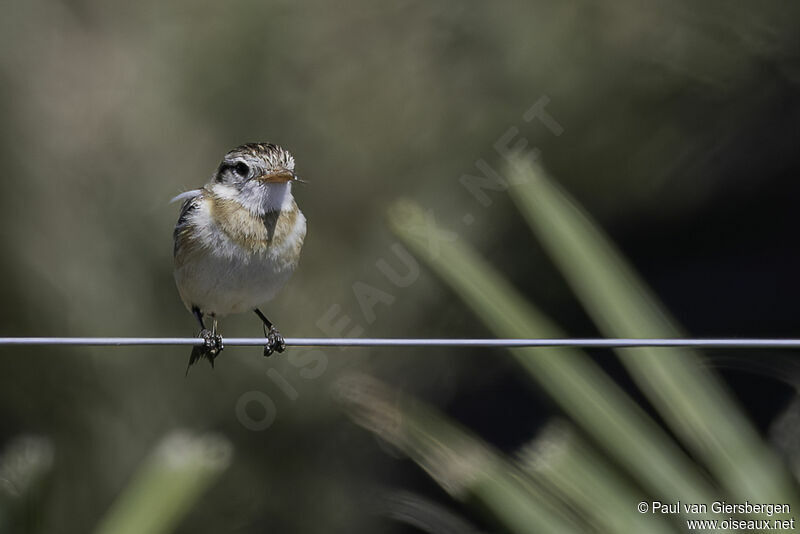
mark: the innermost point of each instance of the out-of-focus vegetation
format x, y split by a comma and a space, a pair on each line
696, 406
677, 132
167, 486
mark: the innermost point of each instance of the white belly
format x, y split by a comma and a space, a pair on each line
236, 265
221, 285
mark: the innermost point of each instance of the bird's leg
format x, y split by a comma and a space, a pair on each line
199, 316
212, 345
275, 341
205, 333
218, 346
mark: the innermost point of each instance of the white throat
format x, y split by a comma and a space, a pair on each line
257, 198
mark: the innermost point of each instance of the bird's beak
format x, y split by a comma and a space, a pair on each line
281, 176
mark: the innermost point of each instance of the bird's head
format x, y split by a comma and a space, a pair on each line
260, 173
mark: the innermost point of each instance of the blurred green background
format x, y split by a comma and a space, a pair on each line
679, 137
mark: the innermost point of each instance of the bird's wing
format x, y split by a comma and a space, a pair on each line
191, 201
187, 195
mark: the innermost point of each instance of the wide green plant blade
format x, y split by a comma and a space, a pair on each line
690, 398
461, 463
167, 484
575, 382
561, 458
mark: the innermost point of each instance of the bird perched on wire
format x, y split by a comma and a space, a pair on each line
238, 240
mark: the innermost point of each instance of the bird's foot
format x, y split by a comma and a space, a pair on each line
275, 342
213, 342
210, 349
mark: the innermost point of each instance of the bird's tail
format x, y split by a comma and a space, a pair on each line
198, 353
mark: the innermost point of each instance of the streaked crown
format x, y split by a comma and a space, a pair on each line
252, 159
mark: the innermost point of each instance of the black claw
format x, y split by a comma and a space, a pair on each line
210, 349
275, 342
208, 337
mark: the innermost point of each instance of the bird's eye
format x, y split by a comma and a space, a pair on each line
241, 169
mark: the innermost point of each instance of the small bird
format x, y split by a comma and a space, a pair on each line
237, 241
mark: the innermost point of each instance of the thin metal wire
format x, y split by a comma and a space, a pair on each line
718, 343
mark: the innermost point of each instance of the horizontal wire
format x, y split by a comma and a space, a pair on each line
732, 343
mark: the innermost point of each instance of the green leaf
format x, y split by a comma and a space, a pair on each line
561, 458
576, 383
690, 398
167, 484
461, 463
